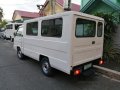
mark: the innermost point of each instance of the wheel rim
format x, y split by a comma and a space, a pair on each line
45, 67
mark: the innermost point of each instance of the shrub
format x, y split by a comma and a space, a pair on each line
110, 51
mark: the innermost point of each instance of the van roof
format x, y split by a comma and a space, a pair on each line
68, 13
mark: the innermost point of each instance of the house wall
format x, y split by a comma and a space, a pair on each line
48, 9
17, 17
58, 8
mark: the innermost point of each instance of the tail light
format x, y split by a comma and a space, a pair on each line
101, 62
77, 72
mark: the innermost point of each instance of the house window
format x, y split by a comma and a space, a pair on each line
32, 29
52, 27
85, 28
99, 29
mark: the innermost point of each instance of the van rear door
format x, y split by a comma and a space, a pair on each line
88, 45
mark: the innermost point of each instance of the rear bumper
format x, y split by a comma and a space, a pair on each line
85, 66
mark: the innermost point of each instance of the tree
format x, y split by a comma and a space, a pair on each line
110, 51
1, 13
3, 23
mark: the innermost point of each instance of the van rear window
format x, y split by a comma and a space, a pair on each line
85, 28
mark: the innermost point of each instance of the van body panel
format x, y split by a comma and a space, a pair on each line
67, 51
86, 49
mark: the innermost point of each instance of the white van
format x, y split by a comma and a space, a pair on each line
71, 42
11, 29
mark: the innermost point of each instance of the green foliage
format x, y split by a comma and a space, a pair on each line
1, 13
3, 23
110, 24
111, 51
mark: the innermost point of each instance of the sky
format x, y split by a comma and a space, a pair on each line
9, 6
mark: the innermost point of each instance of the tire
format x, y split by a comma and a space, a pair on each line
47, 70
20, 54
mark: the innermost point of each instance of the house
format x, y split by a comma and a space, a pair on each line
20, 16
58, 7
105, 6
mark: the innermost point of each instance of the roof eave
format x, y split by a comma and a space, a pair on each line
87, 5
116, 7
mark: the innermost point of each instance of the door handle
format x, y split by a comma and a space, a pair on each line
93, 42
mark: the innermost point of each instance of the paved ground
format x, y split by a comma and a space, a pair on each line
26, 75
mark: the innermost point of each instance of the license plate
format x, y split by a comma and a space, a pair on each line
87, 66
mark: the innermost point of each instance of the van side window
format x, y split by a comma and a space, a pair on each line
32, 29
52, 27
99, 29
17, 26
85, 28
20, 32
9, 26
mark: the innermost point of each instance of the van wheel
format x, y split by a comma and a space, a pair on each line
45, 67
19, 54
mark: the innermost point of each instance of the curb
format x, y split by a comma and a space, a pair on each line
108, 72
